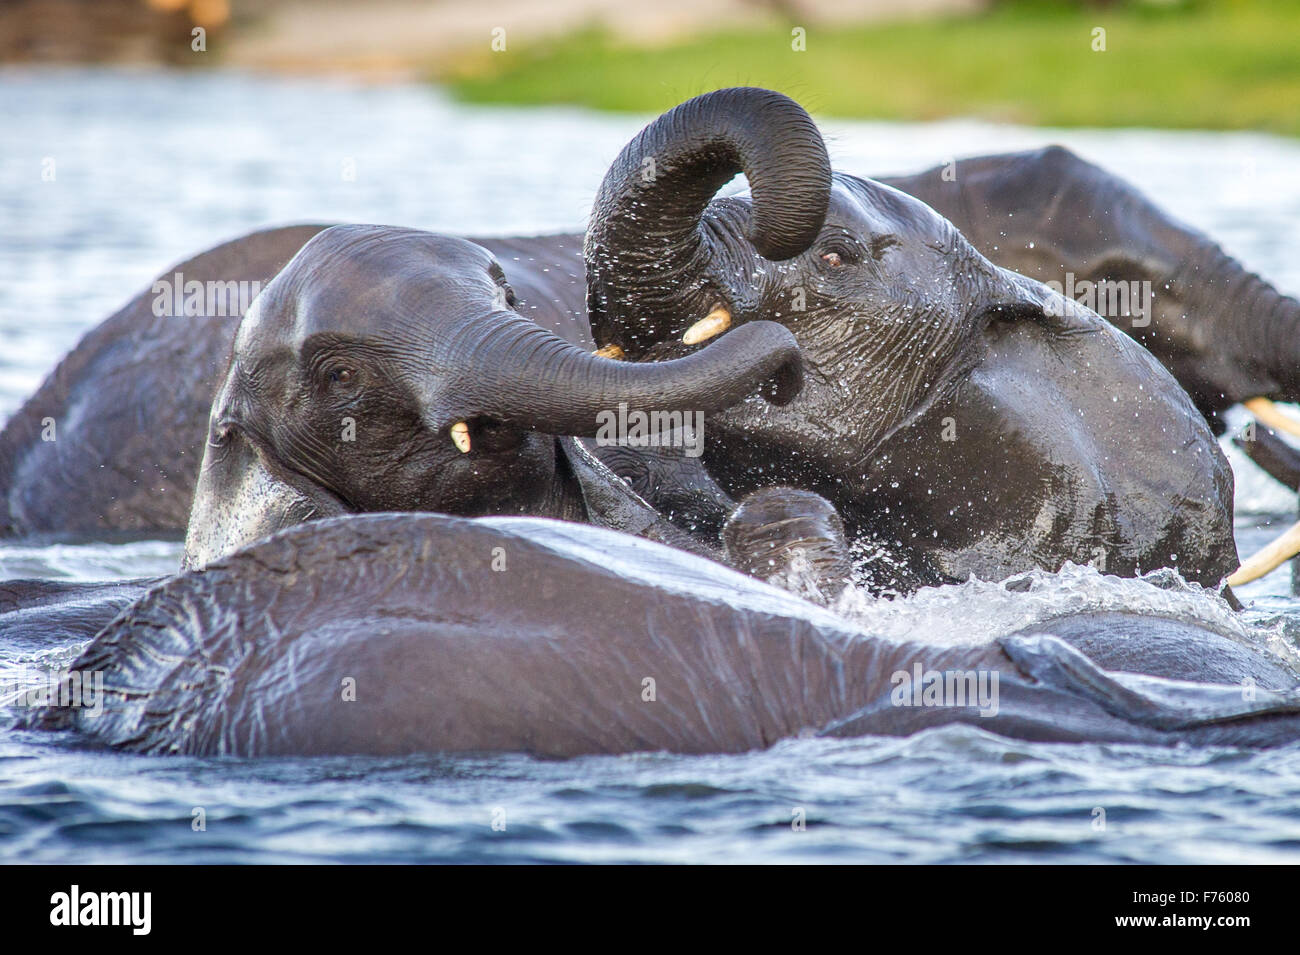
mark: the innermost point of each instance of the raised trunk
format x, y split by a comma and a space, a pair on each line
644, 238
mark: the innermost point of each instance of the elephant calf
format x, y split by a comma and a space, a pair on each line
968, 419
387, 369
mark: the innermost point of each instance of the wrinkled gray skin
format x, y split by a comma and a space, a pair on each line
1225, 333
439, 652
352, 367
964, 417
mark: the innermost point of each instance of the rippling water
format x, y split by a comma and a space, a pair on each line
150, 168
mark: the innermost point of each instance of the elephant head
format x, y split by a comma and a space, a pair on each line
966, 418
386, 370
1226, 334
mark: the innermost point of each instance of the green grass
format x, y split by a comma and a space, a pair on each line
1214, 64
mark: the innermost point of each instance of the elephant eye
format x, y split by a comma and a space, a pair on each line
841, 251
342, 376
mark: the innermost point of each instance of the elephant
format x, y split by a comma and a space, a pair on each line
387, 369
1226, 334
113, 434
395, 634
124, 463
967, 419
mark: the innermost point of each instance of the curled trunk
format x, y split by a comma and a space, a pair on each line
644, 238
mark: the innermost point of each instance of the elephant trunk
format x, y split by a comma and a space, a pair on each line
1276, 338
645, 237
521, 374
1262, 324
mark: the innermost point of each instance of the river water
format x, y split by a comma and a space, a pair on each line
149, 168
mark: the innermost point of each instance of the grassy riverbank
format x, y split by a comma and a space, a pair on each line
1230, 64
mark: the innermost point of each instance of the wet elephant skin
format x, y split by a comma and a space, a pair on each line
396, 634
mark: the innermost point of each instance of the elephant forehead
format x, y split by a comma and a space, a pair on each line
404, 296
369, 248
377, 303
872, 208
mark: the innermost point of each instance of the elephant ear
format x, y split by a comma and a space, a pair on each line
610, 502
1157, 702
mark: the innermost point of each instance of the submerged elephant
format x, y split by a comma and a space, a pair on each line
394, 634
968, 419
1226, 334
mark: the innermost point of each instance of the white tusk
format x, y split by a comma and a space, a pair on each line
1282, 549
460, 436
610, 351
714, 323
1271, 415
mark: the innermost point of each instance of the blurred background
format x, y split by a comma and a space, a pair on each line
1226, 64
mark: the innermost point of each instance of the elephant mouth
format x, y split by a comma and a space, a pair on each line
717, 321
245, 492
778, 389
478, 436
324, 499
720, 321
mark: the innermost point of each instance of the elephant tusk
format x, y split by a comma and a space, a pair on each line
1269, 413
714, 323
1282, 549
610, 351
460, 436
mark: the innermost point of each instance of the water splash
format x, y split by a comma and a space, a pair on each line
979, 611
